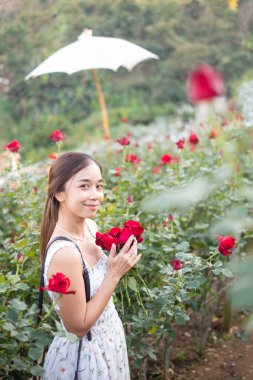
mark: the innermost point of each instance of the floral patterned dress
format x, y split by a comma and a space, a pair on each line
105, 356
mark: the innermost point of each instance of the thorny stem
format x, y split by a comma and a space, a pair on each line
178, 281
213, 255
127, 295
141, 303
145, 286
122, 301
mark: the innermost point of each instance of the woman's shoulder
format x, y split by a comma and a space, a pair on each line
61, 249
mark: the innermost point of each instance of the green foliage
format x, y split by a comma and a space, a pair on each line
206, 191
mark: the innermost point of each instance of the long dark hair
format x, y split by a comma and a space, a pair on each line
63, 168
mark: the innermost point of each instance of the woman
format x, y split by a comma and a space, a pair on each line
75, 193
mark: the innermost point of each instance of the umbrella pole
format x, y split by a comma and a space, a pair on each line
101, 100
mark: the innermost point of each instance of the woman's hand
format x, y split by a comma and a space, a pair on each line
120, 264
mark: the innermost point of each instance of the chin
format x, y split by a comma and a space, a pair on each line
91, 214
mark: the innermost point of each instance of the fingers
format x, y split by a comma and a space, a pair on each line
127, 245
112, 251
137, 259
132, 253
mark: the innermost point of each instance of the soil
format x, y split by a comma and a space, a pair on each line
226, 357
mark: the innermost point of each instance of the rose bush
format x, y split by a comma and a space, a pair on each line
206, 192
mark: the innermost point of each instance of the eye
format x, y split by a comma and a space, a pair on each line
100, 186
84, 186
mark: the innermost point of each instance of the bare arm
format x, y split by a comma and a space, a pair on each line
77, 315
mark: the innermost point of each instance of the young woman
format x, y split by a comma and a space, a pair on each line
75, 193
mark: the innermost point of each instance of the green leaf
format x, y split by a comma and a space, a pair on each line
12, 315
23, 322
41, 339
217, 264
217, 271
21, 286
3, 287
183, 246
19, 364
192, 285
181, 318
20, 336
37, 370
35, 353
8, 326
33, 310
18, 305
227, 272
183, 256
132, 284
72, 337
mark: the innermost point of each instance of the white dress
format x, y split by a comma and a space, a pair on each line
105, 356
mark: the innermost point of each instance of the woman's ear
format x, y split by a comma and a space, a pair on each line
59, 196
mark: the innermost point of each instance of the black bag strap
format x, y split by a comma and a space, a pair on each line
87, 291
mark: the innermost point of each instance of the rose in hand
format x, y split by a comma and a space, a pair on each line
119, 236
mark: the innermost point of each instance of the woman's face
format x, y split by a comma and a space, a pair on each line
83, 193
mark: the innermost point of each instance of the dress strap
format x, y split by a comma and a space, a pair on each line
85, 277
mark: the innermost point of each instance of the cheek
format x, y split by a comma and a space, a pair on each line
101, 197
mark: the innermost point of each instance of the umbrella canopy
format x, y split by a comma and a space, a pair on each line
94, 53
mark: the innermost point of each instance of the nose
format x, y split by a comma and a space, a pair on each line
93, 193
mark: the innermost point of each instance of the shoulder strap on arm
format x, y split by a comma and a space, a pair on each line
85, 274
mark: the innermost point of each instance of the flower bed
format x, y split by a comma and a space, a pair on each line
192, 196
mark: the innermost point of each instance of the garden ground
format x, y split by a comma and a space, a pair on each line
224, 358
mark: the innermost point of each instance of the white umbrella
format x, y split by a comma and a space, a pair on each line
94, 53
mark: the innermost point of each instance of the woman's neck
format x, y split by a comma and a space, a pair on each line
72, 226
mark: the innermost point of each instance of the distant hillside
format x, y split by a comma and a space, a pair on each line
182, 33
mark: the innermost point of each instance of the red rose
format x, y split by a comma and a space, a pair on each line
176, 264
52, 156
119, 236
130, 199
57, 135
115, 232
20, 257
214, 133
125, 235
180, 144
13, 146
166, 159
165, 223
193, 139
135, 228
132, 158
157, 169
124, 141
171, 217
225, 244
175, 159
204, 83
58, 283
150, 146
117, 172
105, 241
124, 119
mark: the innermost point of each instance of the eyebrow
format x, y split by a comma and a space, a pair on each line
87, 180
